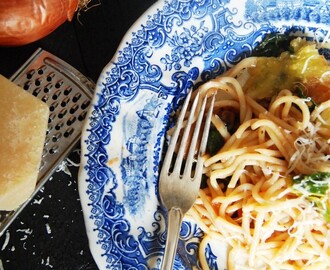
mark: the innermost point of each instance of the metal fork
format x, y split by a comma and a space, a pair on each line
179, 187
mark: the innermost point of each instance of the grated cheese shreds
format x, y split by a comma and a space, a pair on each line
265, 222
310, 151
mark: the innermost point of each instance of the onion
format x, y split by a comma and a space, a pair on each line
25, 21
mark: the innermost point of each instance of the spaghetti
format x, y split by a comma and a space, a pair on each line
249, 201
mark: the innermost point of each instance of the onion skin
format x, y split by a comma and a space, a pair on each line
25, 21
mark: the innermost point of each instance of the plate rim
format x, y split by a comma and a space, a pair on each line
135, 27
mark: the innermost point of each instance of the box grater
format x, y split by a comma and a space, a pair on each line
68, 94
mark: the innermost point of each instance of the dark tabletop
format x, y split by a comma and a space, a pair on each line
50, 232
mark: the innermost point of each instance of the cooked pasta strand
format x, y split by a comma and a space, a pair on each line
249, 202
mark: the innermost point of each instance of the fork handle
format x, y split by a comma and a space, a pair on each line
175, 216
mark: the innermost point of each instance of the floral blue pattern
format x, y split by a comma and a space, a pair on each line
309, 10
173, 48
185, 46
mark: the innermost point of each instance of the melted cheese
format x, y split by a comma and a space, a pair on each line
305, 65
23, 125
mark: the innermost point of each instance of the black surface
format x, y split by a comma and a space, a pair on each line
50, 231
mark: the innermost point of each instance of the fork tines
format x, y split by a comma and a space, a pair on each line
179, 188
188, 139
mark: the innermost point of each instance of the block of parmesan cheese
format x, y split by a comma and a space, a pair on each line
23, 126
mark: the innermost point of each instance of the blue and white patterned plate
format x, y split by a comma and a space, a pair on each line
172, 47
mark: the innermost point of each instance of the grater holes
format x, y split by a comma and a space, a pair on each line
45, 98
50, 76
42, 75
71, 120
58, 84
48, 87
30, 74
76, 97
27, 85
82, 116
67, 91
46, 141
53, 149
65, 101
68, 132
41, 70
51, 117
66, 105
53, 106
49, 129
57, 137
62, 113
36, 91
56, 95
59, 125
85, 104
74, 108
38, 82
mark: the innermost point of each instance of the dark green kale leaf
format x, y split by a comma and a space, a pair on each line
214, 142
273, 45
